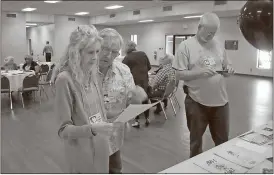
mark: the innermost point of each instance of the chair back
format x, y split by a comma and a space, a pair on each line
44, 68
5, 83
49, 75
30, 81
169, 88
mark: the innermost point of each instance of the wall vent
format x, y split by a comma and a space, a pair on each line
11, 15
112, 15
216, 2
71, 19
167, 8
136, 12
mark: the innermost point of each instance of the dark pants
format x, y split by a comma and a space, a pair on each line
146, 112
48, 57
115, 163
199, 116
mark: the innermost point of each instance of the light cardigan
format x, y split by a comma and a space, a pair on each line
85, 153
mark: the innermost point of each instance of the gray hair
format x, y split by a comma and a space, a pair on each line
28, 57
110, 35
71, 60
209, 19
9, 59
130, 46
167, 59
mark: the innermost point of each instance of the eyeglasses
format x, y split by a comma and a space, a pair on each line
106, 51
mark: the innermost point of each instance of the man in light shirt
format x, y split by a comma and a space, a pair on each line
202, 64
48, 51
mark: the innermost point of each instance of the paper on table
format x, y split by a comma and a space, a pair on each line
266, 167
267, 131
216, 164
256, 138
251, 147
132, 111
240, 156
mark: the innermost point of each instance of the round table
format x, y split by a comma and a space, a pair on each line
16, 78
39, 63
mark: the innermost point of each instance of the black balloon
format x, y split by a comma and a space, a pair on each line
256, 23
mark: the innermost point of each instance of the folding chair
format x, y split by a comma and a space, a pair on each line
30, 84
5, 88
168, 91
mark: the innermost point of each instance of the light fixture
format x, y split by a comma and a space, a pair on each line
197, 16
82, 13
51, 2
148, 20
114, 7
28, 9
31, 24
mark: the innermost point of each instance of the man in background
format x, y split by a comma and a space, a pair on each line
48, 51
197, 61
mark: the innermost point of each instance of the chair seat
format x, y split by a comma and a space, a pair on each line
5, 90
28, 89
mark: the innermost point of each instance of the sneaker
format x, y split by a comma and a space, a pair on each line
136, 124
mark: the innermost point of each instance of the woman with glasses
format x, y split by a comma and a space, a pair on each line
31, 65
80, 106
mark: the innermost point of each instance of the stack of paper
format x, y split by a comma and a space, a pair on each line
240, 156
256, 138
216, 164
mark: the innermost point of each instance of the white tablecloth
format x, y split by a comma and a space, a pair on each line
188, 166
47, 63
16, 78
39, 63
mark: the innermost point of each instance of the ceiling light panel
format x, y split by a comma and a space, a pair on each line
114, 7
29, 9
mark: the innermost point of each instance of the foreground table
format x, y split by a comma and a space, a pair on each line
264, 151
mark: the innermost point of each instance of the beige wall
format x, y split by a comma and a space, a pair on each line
63, 29
151, 36
14, 37
39, 36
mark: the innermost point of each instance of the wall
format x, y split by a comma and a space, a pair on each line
39, 36
14, 37
151, 36
63, 29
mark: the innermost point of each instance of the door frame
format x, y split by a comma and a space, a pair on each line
174, 36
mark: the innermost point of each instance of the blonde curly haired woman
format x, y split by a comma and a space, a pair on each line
79, 104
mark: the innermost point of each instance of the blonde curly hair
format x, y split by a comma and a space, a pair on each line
79, 39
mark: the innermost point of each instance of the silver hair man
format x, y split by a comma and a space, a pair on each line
197, 61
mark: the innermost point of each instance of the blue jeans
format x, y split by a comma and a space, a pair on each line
199, 116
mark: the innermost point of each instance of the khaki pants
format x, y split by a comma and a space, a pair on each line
199, 116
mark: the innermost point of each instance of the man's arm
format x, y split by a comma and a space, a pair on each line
181, 65
44, 50
51, 51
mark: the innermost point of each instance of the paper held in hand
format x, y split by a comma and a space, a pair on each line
133, 111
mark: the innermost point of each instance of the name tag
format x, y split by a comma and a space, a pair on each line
97, 118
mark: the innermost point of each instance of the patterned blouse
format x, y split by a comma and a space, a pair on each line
163, 77
117, 87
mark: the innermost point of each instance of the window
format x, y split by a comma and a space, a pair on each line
133, 38
264, 59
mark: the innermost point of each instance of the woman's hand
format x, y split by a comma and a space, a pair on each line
104, 129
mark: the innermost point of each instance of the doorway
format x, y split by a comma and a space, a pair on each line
173, 41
